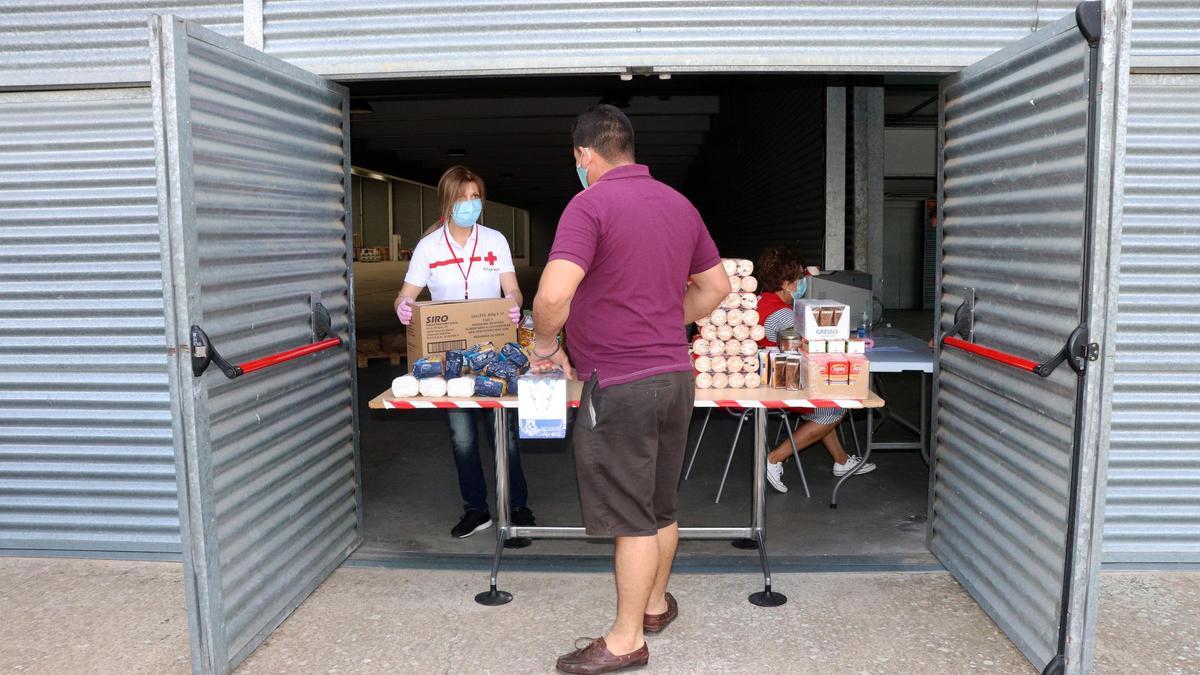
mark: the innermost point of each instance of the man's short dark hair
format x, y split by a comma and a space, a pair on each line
606, 130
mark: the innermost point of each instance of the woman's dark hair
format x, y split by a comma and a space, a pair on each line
776, 266
606, 130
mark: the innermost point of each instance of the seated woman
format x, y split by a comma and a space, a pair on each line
782, 278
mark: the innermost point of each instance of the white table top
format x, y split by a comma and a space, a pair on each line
899, 352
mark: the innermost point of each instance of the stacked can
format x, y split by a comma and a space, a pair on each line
725, 350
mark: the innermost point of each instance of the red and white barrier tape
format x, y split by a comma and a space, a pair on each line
400, 404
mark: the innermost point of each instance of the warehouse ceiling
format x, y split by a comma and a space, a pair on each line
515, 132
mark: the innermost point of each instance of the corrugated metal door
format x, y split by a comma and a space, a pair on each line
254, 173
1153, 505
86, 462
1024, 244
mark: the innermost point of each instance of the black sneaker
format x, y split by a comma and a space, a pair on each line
522, 517
472, 522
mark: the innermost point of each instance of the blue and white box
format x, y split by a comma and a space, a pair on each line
542, 405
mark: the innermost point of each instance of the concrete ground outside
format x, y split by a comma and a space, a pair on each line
76, 616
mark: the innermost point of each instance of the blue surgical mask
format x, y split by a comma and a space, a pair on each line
582, 176
801, 288
466, 212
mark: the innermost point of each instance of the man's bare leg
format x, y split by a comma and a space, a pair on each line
668, 541
637, 562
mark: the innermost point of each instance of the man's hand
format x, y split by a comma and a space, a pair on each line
557, 361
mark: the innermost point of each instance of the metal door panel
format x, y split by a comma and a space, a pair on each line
1022, 227
254, 205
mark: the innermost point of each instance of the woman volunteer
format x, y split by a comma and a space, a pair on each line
459, 259
781, 273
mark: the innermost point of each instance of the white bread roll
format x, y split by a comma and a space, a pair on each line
461, 387
741, 332
709, 333
732, 301
735, 284
406, 386
725, 333
750, 364
733, 317
704, 381
745, 268
718, 317
720, 381
753, 381
749, 284
737, 381
703, 364
757, 332
718, 364
700, 347
750, 317
748, 301
733, 348
730, 265
433, 387
748, 348
733, 365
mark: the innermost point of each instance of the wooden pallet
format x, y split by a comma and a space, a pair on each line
386, 347
365, 357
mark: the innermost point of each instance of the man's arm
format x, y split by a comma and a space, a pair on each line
551, 306
705, 293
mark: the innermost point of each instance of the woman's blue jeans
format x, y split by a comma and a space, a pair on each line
464, 439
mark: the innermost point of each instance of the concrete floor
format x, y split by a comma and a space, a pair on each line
89, 616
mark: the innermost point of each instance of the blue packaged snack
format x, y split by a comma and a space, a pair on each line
479, 356
429, 366
456, 362
490, 387
512, 353
502, 369
512, 385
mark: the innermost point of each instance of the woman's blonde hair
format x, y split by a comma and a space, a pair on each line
451, 185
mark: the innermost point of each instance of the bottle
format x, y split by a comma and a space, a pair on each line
525, 331
864, 328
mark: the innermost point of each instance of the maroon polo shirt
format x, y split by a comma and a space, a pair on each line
637, 241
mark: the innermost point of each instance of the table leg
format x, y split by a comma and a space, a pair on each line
766, 597
925, 407
493, 597
866, 456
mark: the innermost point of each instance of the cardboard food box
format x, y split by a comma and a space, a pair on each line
835, 376
438, 327
822, 319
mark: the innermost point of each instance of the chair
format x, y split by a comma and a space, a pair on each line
742, 417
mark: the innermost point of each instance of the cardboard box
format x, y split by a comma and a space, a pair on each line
814, 346
835, 376
856, 346
438, 327
822, 319
542, 405
835, 347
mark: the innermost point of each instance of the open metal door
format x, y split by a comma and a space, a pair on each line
1029, 144
254, 175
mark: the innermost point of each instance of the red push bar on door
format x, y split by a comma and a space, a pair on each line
204, 352
1076, 352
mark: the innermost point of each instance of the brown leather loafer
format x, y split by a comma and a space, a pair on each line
594, 657
655, 623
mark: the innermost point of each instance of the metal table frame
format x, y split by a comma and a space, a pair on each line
753, 536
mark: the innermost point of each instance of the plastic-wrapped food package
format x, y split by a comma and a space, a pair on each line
491, 387
750, 364
733, 347
704, 381
737, 380
720, 381
749, 347
730, 265
741, 333
757, 332
709, 333
725, 333
735, 284
433, 387
456, 363
750, 317
512, 353
733, 365
703, 364
460, 387
702, 322
732, 301
716, 348
749, 284
745, 268
479, 356
748, 301
733, 317
504, 370
429, 366
753, 381
718, 317
718, 364
700, 347
405, 386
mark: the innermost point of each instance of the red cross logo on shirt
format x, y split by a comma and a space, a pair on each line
491, 258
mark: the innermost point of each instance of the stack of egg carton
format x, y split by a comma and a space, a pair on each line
725, 351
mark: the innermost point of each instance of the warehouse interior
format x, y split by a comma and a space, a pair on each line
749, 151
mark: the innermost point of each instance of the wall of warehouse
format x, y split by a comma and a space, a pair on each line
760, 177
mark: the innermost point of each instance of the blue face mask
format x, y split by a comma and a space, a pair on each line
582, 176
466, 212
801, 288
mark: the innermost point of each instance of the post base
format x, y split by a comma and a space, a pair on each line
517, 542
747, 543
767, 598
493, 598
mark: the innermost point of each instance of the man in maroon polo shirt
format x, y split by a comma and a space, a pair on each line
632, 265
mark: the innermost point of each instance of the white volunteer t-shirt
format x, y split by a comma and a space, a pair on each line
441, 265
